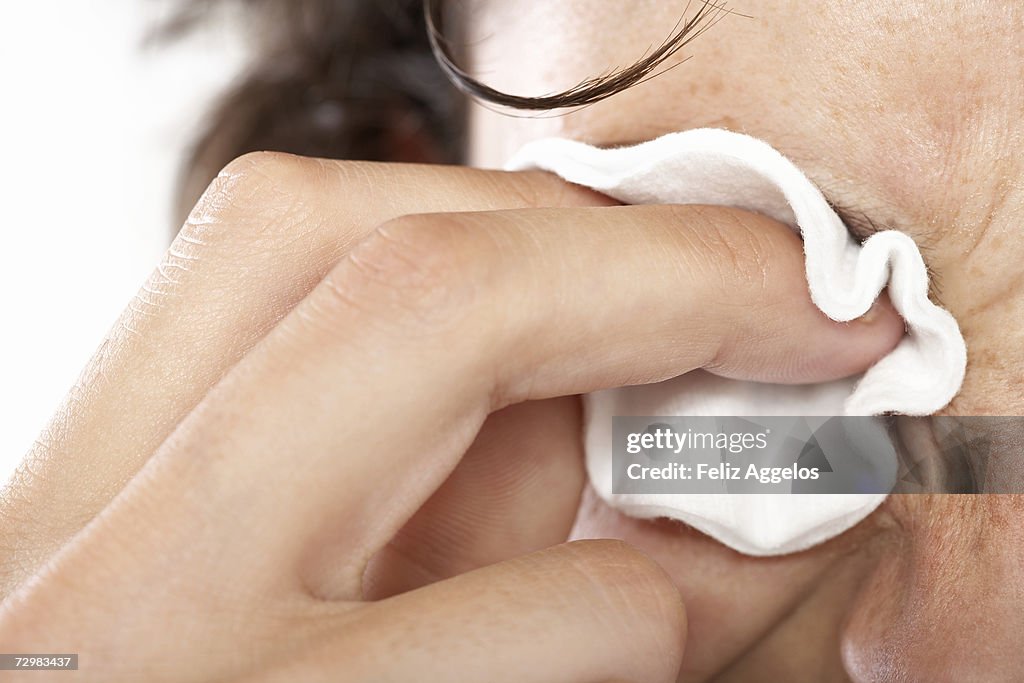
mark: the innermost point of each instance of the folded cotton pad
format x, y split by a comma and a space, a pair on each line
920, 376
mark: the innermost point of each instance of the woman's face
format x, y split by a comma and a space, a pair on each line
909, 116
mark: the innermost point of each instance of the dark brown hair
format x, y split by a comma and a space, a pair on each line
370, 79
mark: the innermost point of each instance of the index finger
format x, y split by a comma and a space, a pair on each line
378, 381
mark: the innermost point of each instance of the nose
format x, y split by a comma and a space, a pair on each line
946, 600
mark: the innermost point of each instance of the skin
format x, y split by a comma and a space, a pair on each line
908, 116
337, 430
260, 468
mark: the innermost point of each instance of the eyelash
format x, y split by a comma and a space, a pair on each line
589, 91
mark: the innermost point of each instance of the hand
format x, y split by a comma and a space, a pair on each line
323, 436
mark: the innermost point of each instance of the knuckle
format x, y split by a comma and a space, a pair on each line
739, 246
420, 267
737, 251
524, 188
530, 189
624, 574
256, 196
738, 260
620, 563
257, 163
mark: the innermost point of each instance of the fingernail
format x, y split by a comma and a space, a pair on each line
882, 306
872, 314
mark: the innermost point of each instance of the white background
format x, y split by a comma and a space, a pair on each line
93, 126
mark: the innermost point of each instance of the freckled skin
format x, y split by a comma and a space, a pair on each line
910, 114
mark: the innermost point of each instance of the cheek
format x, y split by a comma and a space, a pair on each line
989, 305
944, 600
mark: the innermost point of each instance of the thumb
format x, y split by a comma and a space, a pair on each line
576, 613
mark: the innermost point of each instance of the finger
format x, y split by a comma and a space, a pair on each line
264, 234
516, 491
377, 383
582, 612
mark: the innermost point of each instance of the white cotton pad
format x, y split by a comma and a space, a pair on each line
920, 376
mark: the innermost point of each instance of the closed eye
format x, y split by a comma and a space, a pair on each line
861, 226
857, 223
